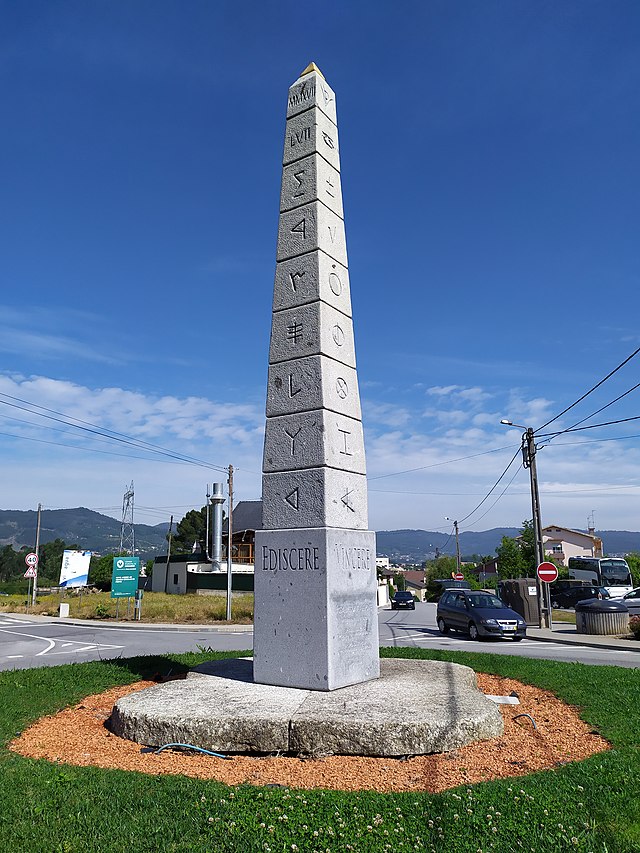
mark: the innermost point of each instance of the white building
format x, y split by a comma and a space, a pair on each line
562, 543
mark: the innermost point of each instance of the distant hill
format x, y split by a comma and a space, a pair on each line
96, 532
90, 530
419, 545
415, 546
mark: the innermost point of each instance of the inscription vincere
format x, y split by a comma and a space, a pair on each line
353, 558
294, 559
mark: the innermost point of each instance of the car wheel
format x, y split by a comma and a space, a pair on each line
517, 639
442, 626
473, 632
555, 604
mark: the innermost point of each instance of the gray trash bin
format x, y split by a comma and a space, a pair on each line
602, 616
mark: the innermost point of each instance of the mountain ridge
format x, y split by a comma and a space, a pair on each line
93, 531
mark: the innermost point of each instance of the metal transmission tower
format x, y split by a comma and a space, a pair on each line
127, 532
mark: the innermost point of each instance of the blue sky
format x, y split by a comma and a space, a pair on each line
491, 185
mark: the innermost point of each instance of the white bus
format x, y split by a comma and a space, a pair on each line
612, 573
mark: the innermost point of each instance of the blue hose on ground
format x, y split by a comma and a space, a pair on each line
191, 746
528, 716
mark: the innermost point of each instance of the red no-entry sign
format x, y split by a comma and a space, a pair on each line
458, 576
547, 572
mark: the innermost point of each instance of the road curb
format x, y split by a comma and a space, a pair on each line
569, 641
147, 626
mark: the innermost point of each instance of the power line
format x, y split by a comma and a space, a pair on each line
591, 390
86, 426
513, 459
601, 409
438, 464
551, 435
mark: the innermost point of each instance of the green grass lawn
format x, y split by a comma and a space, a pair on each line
156, 607
593, 805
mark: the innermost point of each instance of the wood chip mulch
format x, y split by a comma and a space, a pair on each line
80, 736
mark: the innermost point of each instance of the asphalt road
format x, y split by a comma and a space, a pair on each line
418, 628
26, 643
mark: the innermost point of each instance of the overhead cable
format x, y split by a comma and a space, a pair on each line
591, 390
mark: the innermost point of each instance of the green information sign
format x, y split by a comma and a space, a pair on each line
124, 579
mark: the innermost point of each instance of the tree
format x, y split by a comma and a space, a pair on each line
510, 560
527, 542
101, 570
633, 561
51, 561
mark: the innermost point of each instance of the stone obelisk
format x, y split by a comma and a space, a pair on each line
315, 623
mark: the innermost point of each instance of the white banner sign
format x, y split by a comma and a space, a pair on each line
75, 568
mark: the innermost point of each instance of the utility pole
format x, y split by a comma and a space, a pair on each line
37, 552
166, 577
455, 527
229, 545
529, 461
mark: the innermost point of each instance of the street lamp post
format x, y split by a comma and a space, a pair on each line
455, 527
529, 461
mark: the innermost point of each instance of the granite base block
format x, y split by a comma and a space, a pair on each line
415, 707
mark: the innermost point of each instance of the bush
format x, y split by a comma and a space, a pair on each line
634, 626
101, 611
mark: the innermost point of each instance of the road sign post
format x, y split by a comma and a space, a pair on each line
547, 573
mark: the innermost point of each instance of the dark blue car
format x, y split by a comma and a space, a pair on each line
479, 614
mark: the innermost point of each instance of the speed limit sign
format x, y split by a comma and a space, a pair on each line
31, 559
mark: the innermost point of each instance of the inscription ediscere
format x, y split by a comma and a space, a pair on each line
315, 622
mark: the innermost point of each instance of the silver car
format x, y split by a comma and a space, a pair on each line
632, 600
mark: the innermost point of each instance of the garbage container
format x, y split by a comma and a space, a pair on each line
606, 616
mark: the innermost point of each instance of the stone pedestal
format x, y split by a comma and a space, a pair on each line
317, 624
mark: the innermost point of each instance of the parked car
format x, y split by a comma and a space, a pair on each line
403, 599
568, 595
479, 614
632, 600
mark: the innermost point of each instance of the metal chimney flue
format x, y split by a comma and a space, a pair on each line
217, 499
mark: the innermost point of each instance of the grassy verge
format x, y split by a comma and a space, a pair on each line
589, 806
156, 607
564, 616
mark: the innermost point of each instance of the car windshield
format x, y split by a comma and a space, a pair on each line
403, 595
486, 600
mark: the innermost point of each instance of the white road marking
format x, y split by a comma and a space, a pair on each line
11, 657
52, 643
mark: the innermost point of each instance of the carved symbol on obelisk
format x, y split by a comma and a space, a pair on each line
293, 436
328, 139
293, 276
327, 97
328, 192
342, 389
332, 232
345, 433
346, 500
300, 228
299, 188
334, 282
294, 332
337, 335
293, 498
292, 392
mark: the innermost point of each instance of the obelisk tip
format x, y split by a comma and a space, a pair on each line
312, 67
